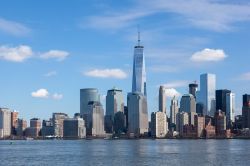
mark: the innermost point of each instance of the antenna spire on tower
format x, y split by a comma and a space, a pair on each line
139, 40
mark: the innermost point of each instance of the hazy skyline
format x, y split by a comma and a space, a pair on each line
49, 50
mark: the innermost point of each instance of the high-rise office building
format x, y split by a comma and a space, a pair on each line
139, 72
174, 109
199, 123
5, 122
193, 89
47, 128
162, 100
95, 119
34, 129
221, 99
119, 123
87, 95
230, 109
188, 103
206, 95
182, 119
74, 128
14, 117
21, 127
57, 121
246, 111
159, 125
114, 104
137, 114
220, 122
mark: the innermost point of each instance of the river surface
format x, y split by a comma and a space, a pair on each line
125, 152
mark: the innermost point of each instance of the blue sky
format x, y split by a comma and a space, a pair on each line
51, 49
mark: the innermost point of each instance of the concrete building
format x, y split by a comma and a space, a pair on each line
57, 121
139, 71
191, 116
221, 99
220, 122
137, 114
206, 95
200, 109
34, 129
87, 95
120, 123
188, 103
74, 128
47, 128
182, 119
199, 123
162, 100
14, 117
230, 109
174, 109
95, 119
159, 125
21, 127
246, 111
193, 89
114, 104
5, 122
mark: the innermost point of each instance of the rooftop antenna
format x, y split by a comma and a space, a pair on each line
139, 40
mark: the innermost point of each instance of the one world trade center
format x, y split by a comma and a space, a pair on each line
139, 73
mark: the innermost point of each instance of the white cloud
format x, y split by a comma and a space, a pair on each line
212, 15
176, 84
106, 73
40, 93
44, 93
15, 54
50, 74
245, 76
57, 96
55, 54
207, 55
13, 28
171, 92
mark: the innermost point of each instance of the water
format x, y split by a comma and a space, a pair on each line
125, 152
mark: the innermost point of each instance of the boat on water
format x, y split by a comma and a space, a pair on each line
29, 138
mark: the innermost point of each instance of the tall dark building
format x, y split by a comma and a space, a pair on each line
246, 111
193, 88
221, 99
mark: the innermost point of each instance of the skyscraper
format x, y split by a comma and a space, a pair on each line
57, 120
74, 128
137, 114
230, 109
114, 104
221, 99
188, 103
139, 72
246, 111
206, 95
162, 99
95, 119
174, 109
5, 122
193, 89
159, 124
87, 95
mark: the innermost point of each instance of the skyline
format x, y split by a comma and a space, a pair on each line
47, 60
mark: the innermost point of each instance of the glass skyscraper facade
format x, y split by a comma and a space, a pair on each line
139, 72
87, 95
114, 104
206, 95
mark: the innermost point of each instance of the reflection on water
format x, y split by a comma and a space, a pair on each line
126, 152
